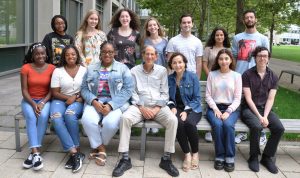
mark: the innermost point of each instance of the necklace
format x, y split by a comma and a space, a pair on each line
39, 69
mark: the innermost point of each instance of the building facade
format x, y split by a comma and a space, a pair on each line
23, 22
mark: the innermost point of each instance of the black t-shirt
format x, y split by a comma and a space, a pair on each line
55, 43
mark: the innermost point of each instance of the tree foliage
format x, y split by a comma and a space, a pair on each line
272, 14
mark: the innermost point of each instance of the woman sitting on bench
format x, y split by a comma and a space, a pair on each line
223, 96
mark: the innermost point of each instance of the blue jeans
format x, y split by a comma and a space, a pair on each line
65, 122
223, 134
35, 127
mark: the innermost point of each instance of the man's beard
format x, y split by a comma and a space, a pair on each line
250, 25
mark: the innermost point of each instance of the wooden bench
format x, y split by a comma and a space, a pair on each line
290, 125
292, 73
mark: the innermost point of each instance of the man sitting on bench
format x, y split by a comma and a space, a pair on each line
149, 102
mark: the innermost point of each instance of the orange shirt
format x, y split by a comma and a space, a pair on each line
38, 83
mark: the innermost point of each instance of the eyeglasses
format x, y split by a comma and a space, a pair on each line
262, 56
107, 52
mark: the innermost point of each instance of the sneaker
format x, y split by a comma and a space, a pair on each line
28, 162
169, 167
122, 166
208, 137
77, 161
263, 139
253, 163
229, 167
154, 130
269, 164
240, 137
69, 163
219, 165
37, 162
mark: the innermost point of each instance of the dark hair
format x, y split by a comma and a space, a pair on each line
53, 22
211, 41
106, 43
216, 65
134, 22
28, 57
63, 61
185, 15
175, 54
259, 49
249, 11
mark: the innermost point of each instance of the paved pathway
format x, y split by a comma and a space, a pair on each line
288, 159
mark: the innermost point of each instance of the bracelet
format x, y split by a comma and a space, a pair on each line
42, 103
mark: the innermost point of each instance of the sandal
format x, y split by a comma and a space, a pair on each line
101, 159
186, 165
195, 163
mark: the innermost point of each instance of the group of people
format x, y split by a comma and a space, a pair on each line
95, 77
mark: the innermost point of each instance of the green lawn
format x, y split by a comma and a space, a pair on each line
286, 52
287, 106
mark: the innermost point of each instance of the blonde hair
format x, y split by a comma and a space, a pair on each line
146, 33
84, 23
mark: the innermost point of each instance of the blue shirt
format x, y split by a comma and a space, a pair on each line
189, 91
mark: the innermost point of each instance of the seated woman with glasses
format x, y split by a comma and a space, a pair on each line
106, 89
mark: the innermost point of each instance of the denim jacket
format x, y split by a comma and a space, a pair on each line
189, 91
120, 84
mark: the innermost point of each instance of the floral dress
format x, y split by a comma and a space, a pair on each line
125, 46
89, 47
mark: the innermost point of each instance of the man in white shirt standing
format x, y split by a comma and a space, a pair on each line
187, 44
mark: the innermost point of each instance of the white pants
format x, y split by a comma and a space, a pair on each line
100, 135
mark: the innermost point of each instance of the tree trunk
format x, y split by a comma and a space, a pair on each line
240, 4
271, 32
202, 19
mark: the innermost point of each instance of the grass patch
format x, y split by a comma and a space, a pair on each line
286, 52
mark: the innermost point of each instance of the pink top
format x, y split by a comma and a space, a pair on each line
224, 88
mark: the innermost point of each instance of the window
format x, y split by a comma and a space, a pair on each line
12, 22
72, 10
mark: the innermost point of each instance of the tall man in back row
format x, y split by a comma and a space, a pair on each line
187, 44
243, 45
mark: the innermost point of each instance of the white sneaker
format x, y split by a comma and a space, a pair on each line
28, 162
208, 137
240, 137
148, 130
263, 139
37, 162
154, 130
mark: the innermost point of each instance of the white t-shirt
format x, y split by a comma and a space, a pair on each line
68, 85
191, 47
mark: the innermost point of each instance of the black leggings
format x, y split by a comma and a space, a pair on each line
187, 131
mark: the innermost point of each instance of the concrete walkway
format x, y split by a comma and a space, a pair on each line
288, 159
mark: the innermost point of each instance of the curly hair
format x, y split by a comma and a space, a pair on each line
61, 17
29, 55
216, 65
211, 41
259, 49
63, 61
134, 22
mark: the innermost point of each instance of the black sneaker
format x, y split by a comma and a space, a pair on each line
169, 167
229, 167
28, 162
253, 163
77, 161
122, 166
219, 165
69, 163
269, 164
37, 162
